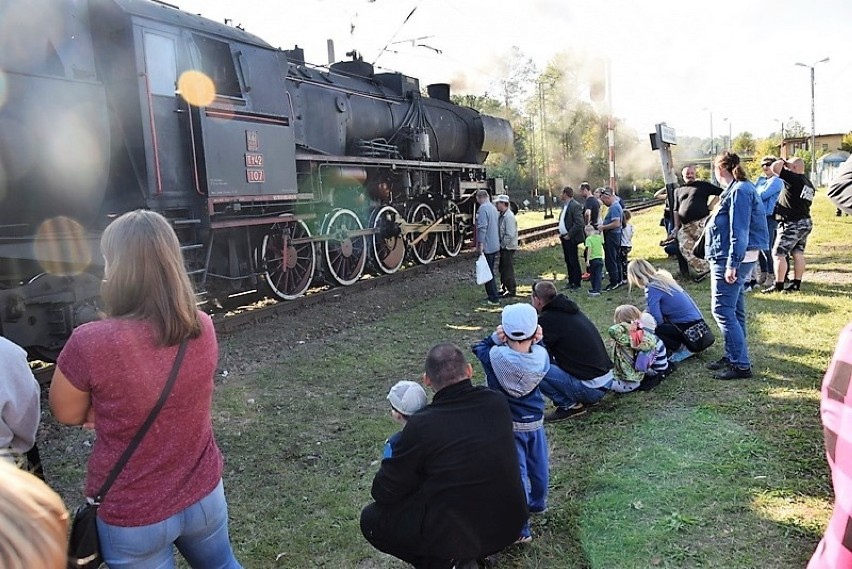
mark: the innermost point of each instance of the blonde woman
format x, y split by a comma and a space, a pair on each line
33, 522
670, 305
109, 376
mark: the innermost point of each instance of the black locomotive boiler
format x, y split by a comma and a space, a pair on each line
274, 173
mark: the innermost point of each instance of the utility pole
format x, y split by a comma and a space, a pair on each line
712, 147
813, 116
610, 128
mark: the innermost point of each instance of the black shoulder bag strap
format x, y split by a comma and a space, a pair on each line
131, 448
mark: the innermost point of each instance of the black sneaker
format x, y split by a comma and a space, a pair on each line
562, 413
734, 372
721, 363
771, 289
609, 287
507, 294
791, 288
650, 382
701, 277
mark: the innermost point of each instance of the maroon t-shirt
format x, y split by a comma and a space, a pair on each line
177, 463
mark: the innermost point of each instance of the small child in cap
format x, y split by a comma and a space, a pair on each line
406, 399
514, 364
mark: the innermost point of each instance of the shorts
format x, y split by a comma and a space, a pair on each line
792, 236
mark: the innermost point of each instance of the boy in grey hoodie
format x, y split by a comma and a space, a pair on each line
514, 364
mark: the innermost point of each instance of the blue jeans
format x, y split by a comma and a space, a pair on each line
532, 455
596, 274
491, 286
612, 256
766, 256
200, 533
565, 390
728, 307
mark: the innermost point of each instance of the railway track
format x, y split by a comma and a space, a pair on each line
227, 322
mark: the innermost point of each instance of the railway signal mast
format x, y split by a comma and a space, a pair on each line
663, 139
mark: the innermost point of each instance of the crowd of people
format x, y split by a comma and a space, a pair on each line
460, 479
549, 349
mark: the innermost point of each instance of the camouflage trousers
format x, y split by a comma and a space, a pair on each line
687, 235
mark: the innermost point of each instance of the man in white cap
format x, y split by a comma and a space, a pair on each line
514, 365
508, 231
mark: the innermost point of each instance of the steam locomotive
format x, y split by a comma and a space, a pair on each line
274, 173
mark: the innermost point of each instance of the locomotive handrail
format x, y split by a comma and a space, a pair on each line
385, 99
154, 143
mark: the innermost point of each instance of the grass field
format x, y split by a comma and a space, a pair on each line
697, 473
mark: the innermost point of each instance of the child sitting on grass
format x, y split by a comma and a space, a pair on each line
406, 399
514, 364
639, 357
595, 248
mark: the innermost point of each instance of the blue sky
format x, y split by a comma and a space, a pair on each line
672, 60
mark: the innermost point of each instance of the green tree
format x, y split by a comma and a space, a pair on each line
744, 144
846, 143
794, 129
517, 73
482, 103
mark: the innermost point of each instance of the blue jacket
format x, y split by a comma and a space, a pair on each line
676, 307
739, 225
769, 189
519, 376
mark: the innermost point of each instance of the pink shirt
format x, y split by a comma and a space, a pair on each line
177, 463
835, 549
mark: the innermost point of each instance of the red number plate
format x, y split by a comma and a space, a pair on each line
254, 160
255, 176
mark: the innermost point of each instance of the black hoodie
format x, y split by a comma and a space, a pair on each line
575, 345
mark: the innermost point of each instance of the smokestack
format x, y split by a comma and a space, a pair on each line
330, 45
440, 91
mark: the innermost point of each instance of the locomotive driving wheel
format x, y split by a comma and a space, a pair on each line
425, 246
289, 256
345, 247
452, 240
388, 244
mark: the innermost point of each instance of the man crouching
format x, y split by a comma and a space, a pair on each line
451, 493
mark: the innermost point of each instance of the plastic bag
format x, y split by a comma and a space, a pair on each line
483, 271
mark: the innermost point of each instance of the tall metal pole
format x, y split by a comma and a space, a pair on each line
730, 140
712, 151
610, 128
813, 115
813, 126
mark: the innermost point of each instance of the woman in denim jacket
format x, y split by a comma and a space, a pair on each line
734, 237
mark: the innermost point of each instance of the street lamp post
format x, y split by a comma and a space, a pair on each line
813, 116
730, 140
712, 147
